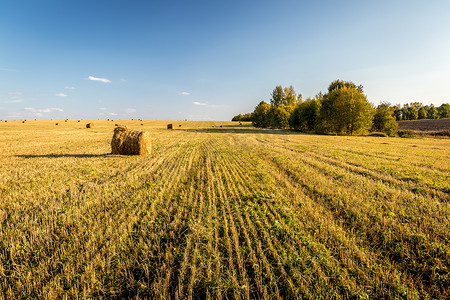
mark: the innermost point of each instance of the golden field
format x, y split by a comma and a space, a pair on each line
221, 213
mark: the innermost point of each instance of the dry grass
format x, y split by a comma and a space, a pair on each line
235, 212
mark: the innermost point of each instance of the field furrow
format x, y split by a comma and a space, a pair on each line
227, 212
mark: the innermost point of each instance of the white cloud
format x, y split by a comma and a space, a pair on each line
15, 93
130, 110
112, 114
99, 79
14, 101
207, 104
69, 88
43, 110
60, 95
185, 93
200, 103
103, 108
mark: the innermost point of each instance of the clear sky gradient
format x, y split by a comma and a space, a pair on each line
210, 60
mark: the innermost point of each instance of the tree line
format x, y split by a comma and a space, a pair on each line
344, 109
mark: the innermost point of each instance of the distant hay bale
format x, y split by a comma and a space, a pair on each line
23, 121
179, 125
169, 126
142, 124
89, 125
78, 121
56, 124
130, 142
220, 126
116, 125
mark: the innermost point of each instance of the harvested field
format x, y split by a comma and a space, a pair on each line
425, 125
231, 212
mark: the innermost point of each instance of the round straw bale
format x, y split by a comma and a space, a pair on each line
179, 125
89, 125
169, 126
56, 124
130, 142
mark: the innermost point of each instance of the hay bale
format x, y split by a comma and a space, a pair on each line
130, 142
89, 125
169, 126
56, 123
179, 125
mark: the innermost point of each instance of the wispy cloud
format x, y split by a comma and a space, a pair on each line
112, 114
14, 101
99, 79
103, 108
60, 95
43, 110
185, 93
70, 88
130, 110
207, 104
15, 93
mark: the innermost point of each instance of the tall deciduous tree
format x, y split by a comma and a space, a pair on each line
384, 121
422, 113
277, 96
290, 96
432, 111
306, 114
261, 115
345, 109
444, 111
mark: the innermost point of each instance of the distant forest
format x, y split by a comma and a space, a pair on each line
344, 109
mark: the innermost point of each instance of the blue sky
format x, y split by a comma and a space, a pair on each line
210, 60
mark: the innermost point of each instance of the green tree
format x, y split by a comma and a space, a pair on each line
397, 113
422, 113
410, 112
237, 117
279, 116
345, 110
261, 115
248, 117
289, 97
432, 112
306, 114
338, 84
384, 121
277, 96
444, 111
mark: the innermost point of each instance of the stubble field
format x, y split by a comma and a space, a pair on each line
216, 213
